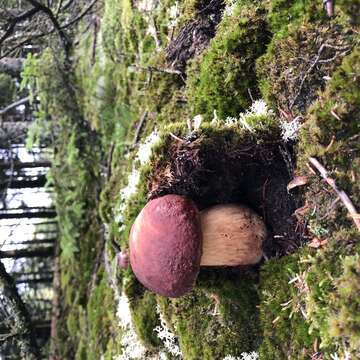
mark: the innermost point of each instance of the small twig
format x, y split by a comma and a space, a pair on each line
96, 28
341, 194
154, 34
155, 69
315, 62
331, 208
176, 137
4, 337
139, 127
109, 161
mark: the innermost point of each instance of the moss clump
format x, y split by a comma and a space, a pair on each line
282, 305
298, 61
330, 274
281, 13
144, 316
345, 320
218, 318
220, 79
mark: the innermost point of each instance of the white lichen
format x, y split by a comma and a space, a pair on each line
290, 130
229, 9
143, 155
244, 356
258, 109
130, 343
145, 148
173, 15
196, 122
167, 337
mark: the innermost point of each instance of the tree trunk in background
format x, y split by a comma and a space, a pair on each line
42, 213
37, 182
36, 241
25, 165
27, 253
41, 280
20, 321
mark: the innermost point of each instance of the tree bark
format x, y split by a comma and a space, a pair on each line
28, 253
37, 182
25, 165
20, 323
36, 241
46, 213
41, 280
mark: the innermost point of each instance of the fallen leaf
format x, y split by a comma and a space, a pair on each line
297, 181
317, 243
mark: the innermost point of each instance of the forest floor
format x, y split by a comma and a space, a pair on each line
225, 102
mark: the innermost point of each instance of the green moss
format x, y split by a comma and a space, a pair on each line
286, 331
281, 13
145, 318
345, 320
220, 79
216, 319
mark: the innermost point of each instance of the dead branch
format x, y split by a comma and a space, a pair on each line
14, 105
139, 127
341, 194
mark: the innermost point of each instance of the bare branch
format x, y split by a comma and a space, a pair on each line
12, 23
64, 38
14, 105
139, 127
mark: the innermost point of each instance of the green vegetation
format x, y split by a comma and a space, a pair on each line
300, 302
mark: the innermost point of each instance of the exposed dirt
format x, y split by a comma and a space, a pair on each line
218, 172
193, 38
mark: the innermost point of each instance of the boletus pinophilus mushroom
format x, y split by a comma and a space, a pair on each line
170, 239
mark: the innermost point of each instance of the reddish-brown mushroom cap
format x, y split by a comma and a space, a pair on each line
166, 245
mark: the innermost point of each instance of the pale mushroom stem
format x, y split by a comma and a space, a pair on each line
232, 235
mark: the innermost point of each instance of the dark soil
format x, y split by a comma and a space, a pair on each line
217, 172
193, 38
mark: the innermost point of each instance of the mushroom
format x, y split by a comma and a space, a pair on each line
170, 239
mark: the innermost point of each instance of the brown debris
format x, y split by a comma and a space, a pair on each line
194, 37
